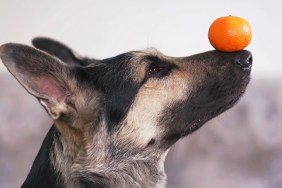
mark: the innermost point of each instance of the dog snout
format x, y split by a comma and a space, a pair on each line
244, 60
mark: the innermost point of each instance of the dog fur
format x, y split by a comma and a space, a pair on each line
115, 119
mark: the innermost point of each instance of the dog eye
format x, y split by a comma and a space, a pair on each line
154, 69
158, 67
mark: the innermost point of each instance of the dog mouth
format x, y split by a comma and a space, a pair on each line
200, 120
212, 102
196, 124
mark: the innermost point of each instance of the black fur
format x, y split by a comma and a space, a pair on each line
42, 173
119, 89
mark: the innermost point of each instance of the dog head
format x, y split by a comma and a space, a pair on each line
135, 104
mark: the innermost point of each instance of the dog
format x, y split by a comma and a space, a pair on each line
115, 119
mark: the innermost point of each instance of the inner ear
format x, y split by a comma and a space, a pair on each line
50, 87
53, 95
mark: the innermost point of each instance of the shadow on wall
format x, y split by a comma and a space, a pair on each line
241, 148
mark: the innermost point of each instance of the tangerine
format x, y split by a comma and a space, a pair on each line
230, 33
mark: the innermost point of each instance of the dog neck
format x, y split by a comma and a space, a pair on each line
53, 167
123, 174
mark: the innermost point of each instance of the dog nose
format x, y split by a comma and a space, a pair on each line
244, 60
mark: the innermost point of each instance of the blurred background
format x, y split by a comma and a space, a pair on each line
241, 148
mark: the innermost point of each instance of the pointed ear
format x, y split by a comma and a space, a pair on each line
60, 51
42, 75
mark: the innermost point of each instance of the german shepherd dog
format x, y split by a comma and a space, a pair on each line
115, 119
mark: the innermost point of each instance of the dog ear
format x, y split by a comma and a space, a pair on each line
42, 75
60, 51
